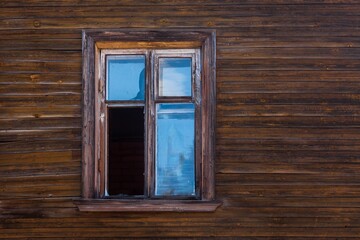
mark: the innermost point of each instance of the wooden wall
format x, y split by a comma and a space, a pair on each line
288, 126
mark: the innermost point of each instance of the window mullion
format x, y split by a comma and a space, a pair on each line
149, 125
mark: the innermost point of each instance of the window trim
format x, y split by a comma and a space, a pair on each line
93, 42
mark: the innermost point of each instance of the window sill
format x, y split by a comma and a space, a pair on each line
119, 205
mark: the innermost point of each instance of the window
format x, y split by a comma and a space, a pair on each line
150, 97
148, 121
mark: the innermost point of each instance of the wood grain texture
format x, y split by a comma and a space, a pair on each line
287, 125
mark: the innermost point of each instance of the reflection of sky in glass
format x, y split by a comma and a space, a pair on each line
124, 78
175, 166
175, 77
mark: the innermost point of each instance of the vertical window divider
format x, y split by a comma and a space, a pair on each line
150, 126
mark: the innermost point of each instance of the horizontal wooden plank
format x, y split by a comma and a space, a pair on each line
313, 163
269, 76
51, 182
26, 146
288, 211
289, 64
296, 180
39, 34
281, 98
46, 165
287, 41
289, 133
41, 66
230, 109
291, 202
41, 123
41, 178
56, 190
289, 191
288, 168
35, 157
289, 87
29, 187
154, 21
43, 100
240, 52
295, 156
21, 56
43, 44
44, 192
38, 112
287, 145
294, 30
40, 134
179, 220
30, 160
184, 10
40, 78
25, 3
288, 121
179, 232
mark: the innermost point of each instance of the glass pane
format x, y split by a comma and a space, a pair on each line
125, 77
175, 77
175, 153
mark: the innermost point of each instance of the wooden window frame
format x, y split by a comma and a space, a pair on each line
94, 42
102, 136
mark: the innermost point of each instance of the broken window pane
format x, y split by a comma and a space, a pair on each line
125, 77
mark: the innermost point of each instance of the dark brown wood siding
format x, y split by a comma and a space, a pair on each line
287, 125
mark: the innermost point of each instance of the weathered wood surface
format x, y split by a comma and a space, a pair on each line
287, 125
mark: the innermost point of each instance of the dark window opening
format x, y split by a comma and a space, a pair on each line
126, 151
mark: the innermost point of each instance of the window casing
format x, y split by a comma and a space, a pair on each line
167, 47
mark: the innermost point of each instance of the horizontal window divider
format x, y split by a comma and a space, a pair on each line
146, 205
174, 100
125, 104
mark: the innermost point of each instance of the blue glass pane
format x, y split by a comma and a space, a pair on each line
125, 77
175, 153
175, 77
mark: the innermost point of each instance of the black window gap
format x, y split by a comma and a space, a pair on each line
126, 151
